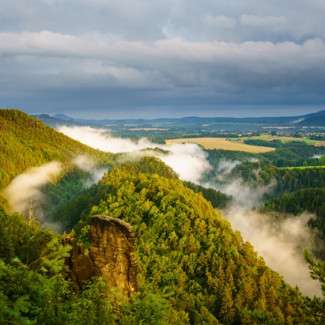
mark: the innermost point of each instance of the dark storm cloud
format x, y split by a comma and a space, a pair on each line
79, 55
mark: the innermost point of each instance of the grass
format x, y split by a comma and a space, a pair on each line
284, 139
302, 167
221, 143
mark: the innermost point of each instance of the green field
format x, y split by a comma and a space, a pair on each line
303, 167
284, 139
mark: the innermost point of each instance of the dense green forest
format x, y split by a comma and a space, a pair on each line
297, 202
294, 153
295, 172
34, 287
218, 199
61, 195
291, 190
27, 142
209, 272
192, 267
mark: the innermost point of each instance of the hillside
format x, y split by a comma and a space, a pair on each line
187, 253
190, 266
317, 118
27, 142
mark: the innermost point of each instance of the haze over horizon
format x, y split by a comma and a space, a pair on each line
234, 112
122, 59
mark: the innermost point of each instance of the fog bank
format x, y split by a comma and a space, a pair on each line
24, 192
189, 161
88, 165
280, 241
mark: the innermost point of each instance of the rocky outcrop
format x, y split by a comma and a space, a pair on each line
109, 256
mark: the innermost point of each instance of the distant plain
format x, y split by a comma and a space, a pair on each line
222, 144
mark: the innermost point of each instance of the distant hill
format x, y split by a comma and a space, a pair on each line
27, 142
63, 117
314, 119
55, 120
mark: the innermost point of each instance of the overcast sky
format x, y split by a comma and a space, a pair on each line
146, 58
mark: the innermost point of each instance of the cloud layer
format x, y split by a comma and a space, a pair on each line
137, 56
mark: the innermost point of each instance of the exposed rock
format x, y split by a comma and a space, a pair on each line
109, 256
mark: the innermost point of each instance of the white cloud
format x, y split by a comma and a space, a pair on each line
189, 161
104, 70
101, 139
263, 21
207, 51
221, 21
88, 165
131, 53
167, 63
24, 191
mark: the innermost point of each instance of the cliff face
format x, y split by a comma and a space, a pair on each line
109, 256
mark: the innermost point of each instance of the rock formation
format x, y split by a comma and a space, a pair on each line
109, 256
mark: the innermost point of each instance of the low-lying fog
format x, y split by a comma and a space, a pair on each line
279, 243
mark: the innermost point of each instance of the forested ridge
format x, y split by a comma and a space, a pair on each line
192, 267
186, 248
27, 142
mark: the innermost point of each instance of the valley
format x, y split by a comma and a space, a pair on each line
222, 233
162, 162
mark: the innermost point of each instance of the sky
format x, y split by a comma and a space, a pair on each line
154, 58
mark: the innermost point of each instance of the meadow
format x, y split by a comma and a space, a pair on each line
302, 167
284, 139
223, 144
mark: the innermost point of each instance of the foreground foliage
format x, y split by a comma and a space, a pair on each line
33, 285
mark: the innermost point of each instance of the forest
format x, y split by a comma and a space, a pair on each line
192, 267
209, 273
36, 144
